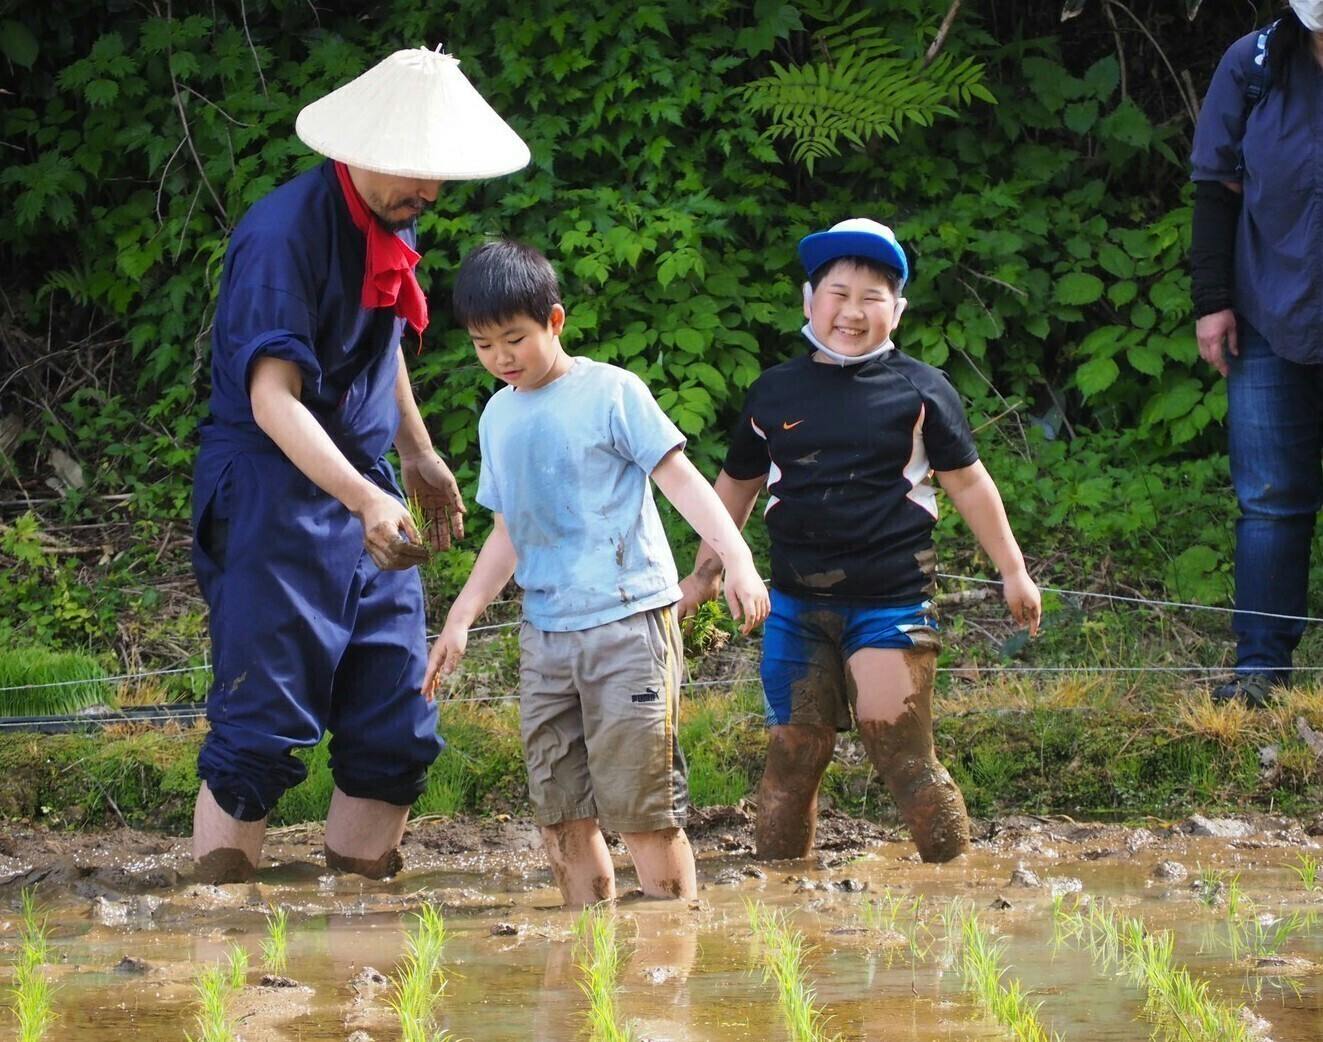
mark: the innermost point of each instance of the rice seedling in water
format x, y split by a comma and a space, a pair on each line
982, 972
213, 989
1306, 868
1214, 887
883, 915
237, 967
275, 950
1180, 1006
1264, 936
599, 961
31, 993
419, 981
783, 952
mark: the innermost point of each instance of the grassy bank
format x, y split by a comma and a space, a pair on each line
1084, 747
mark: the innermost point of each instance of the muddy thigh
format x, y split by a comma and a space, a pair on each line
894, 709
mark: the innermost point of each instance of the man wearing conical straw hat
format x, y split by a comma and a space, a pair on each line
304, 548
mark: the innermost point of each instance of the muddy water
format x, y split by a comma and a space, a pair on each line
688, 972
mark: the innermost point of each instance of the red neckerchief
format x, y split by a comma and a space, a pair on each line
388, 278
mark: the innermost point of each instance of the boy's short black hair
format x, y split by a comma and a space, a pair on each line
882, 271
502, 280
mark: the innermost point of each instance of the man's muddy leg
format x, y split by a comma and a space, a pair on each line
225, 849
894, 710
664, 861
580, 862
797, 756
363, 836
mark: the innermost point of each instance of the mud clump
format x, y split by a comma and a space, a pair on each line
387, 865
224, 865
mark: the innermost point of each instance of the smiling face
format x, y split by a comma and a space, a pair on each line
522, 351
396, 201
854, 308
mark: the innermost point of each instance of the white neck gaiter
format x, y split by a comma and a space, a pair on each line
1310, 13
844, 360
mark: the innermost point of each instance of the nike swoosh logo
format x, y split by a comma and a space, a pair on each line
790, 426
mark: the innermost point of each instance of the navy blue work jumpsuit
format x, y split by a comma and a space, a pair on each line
308, 635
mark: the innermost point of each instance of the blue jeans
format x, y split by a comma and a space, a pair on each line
1275, 429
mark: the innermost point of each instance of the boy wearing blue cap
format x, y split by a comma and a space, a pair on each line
845, 437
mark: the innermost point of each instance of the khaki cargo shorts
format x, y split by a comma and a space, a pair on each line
599, 720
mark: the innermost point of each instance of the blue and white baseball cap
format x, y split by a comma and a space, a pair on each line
856, 237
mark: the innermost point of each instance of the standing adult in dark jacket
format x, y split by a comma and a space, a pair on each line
1257, 267
304, 548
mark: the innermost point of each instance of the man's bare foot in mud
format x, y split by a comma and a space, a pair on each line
388, 864
224, 865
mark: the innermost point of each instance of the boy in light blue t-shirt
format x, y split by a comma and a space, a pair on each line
568, 447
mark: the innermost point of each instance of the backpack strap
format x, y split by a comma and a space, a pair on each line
1260, 75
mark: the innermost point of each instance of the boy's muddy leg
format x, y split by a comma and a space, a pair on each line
580, 862
894, 710
363, 836
797, 756
225, 849
664, 861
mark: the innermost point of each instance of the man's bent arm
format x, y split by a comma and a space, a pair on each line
274, 389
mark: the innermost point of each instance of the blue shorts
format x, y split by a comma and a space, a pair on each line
806, 643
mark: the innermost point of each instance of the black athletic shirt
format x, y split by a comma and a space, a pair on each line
848, 452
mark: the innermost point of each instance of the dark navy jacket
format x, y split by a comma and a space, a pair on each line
1277, 155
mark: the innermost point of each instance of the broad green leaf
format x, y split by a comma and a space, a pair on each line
1077, 288
1146, 358
17, 43
1098, 375
1115, 261
1081, 116
689, 340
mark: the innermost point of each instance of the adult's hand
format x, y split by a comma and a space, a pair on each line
1217, 334
389, 534
699, 587
429, 482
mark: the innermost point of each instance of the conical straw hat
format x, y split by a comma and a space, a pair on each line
415, 115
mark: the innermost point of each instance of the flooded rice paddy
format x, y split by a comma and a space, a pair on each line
128, 936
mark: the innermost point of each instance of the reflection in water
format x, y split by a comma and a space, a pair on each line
880, 962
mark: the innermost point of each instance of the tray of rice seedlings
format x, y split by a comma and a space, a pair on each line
598, 957
40, 682
275, 947
31, 992
783, 952
418, 982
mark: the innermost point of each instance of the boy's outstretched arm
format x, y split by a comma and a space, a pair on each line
975, 495
491, 571
690, 494
703, 584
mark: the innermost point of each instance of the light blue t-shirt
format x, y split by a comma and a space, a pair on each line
568, 466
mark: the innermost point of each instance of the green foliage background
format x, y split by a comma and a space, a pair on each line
1035, 172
